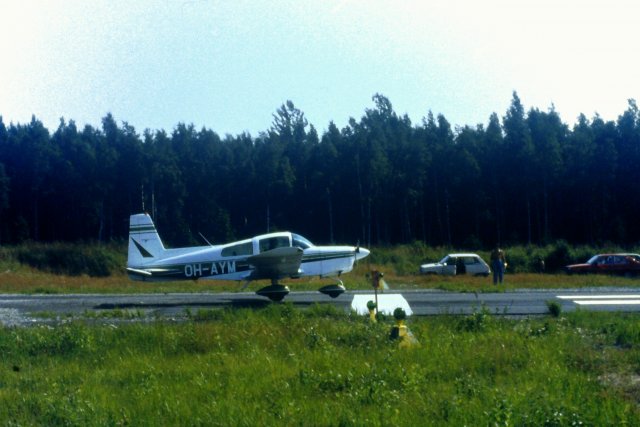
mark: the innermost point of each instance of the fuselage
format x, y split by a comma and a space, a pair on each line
230, 261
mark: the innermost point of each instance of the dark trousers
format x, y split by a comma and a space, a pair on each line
498, 271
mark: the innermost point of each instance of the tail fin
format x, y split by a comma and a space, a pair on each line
144, 241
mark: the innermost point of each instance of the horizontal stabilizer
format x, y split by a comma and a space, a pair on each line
138, 272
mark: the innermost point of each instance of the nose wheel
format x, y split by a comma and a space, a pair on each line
334, 291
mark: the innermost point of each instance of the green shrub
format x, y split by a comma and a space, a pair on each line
70, 259
517, 259
406, 259
475, 322
325, 310
66, 340
627, 334
559, 256
555, 309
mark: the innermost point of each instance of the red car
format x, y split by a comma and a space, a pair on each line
625, 264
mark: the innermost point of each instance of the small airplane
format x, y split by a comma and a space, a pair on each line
272, 256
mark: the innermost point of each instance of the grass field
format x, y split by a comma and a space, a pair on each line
282, 366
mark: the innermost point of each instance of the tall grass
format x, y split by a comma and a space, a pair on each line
58, 268
104, 260
280, 366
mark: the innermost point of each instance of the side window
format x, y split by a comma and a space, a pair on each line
470, 260
238, 250
273, 243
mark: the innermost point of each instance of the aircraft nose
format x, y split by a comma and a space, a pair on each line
362, 253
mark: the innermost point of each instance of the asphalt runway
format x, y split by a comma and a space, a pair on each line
18, 309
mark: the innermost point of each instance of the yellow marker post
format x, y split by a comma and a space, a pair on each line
403, 334
400, 331
372, 311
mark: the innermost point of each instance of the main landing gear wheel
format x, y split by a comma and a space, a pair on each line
274, 292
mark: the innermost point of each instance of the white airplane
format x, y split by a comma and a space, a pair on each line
271, 256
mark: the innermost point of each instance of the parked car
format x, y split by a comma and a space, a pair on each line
625, 264
454, 264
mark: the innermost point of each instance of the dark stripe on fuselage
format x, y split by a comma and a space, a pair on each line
327, 256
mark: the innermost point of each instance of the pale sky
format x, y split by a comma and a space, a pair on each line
229, 65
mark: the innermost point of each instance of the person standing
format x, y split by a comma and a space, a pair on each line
498, 262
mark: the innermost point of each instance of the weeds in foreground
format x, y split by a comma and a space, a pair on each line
280, 365
554, 307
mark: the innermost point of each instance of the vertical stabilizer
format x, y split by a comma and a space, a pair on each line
144, 242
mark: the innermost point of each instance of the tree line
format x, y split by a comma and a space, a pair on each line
526, 177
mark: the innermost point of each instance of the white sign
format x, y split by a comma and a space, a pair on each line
387, 303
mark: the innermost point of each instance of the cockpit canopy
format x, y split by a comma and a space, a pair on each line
282, 241
300, 241
266, 243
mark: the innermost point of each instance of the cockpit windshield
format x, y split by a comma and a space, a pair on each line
300, 241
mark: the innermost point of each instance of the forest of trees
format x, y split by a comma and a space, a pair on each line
523, 178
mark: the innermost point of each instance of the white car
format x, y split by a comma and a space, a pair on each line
454, 264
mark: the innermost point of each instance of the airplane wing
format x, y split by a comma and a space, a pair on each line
276, 263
